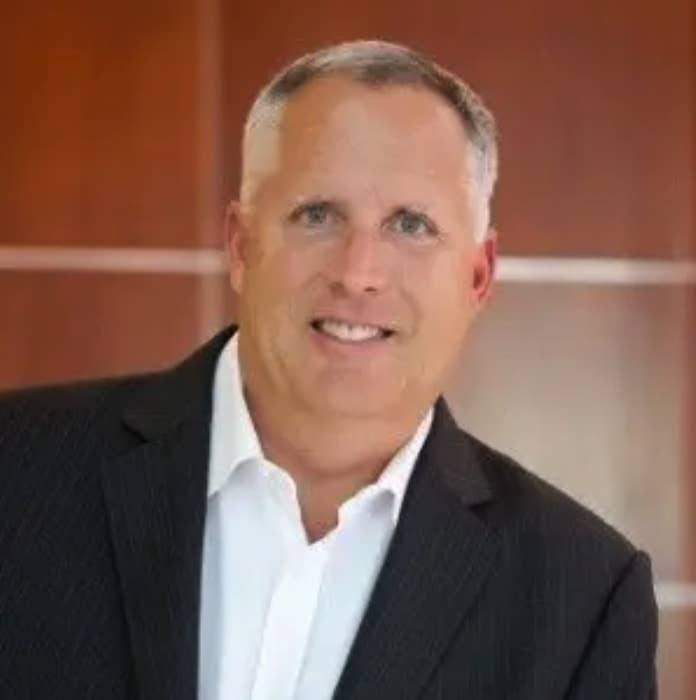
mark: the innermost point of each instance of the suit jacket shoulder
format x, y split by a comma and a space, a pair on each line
102, 494
535, 515
51, 429
495, 582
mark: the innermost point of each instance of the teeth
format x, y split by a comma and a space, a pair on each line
348, 331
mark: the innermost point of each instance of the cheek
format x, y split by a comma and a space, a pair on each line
294, 268
277, 285
444, 298
445, 281
262, 292
301, 266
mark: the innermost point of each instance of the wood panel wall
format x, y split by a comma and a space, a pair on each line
121, 125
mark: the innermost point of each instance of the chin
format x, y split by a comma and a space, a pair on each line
356, 400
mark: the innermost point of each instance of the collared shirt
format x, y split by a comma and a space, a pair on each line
279, 614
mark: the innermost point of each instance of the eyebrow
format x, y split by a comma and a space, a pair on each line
418, 207
300, 202
343, 205
316, 199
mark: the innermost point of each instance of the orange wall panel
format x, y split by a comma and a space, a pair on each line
595, 103
100, 123
58, 326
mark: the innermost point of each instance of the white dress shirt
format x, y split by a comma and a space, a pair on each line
278, 614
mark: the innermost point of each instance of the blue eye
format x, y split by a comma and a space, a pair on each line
312, 215
412, 224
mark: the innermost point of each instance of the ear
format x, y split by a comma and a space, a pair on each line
485, 264
236, 237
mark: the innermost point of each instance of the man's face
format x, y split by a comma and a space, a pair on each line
354, 258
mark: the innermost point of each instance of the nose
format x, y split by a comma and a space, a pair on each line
359, 265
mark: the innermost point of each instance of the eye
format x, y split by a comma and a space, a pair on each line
312, 215
412, 224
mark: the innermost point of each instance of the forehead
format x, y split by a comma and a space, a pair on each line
337, 128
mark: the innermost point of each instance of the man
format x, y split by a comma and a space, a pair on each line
292, 512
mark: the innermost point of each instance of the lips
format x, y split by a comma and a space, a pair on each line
351, 332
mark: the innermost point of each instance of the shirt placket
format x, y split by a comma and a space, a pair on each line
293, 603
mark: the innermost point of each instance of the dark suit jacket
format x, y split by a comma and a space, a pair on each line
496, 585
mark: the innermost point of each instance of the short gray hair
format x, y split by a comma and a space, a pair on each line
380, 63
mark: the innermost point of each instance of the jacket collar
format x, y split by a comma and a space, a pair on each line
173, 397
441, 556
184, 393
156, 496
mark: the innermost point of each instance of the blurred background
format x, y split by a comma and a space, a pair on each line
121, 146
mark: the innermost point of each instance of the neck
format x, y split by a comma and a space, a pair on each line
330, 458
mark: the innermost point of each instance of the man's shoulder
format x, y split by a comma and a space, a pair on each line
67, 398
541, 521
72, 420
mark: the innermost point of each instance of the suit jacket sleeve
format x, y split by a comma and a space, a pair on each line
619, 660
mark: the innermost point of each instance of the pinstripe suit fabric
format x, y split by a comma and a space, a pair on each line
496, 585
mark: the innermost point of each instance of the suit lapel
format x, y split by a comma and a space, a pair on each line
155, 496
441, 556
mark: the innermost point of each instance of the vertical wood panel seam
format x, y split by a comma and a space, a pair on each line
211, 302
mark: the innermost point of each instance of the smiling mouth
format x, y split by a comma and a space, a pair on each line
346, 332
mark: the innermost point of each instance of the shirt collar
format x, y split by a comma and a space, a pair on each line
233, 438
396, 475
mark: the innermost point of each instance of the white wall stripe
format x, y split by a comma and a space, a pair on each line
675, 595
621, 271
127, 260
523, 270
